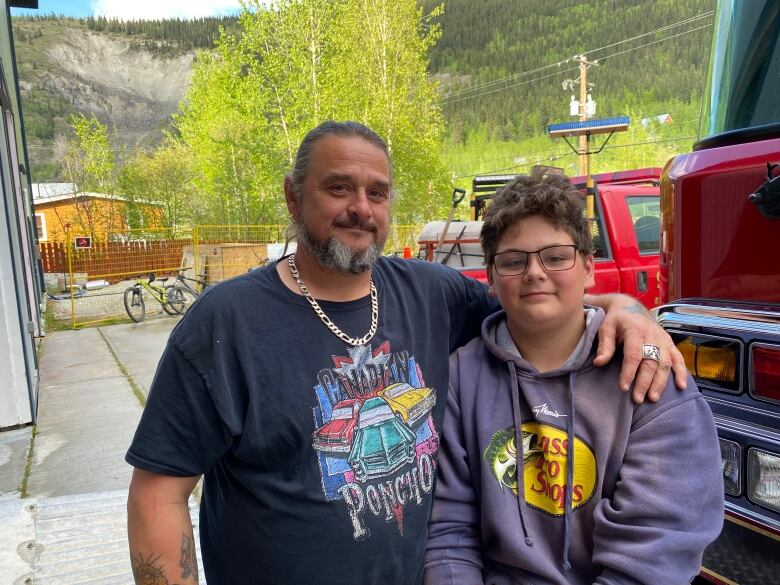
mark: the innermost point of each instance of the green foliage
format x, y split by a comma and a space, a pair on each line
170, 35
42, 111
387, 43
47, 172
90, 157
162, 35
163, 177
88, 162
253, 99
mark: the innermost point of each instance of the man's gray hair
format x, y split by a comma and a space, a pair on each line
346, 129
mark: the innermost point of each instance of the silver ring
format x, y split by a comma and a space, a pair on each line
651, 352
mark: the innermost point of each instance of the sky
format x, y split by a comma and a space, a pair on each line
135, 9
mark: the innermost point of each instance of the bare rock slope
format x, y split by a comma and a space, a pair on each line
127, 87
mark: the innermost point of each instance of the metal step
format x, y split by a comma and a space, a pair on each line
74, 540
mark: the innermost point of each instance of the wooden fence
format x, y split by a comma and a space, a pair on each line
53, 257
114, 261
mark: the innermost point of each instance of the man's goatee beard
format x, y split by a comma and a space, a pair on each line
335, 255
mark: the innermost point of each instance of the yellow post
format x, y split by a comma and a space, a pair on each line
69, 281
195, 268
590, 199
587, 156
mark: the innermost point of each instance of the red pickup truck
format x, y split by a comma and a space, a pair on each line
625, 233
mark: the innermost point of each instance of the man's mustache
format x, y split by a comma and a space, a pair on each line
369, 226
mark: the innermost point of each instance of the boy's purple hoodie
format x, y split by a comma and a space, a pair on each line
647, 491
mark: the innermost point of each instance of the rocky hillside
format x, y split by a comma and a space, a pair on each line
64, 67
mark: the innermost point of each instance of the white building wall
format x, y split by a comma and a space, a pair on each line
19, 277
14, 383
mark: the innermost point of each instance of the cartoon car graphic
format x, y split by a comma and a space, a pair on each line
382, 442
335, 436
413, 404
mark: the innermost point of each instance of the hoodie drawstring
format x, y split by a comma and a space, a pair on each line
569, 474
519, 465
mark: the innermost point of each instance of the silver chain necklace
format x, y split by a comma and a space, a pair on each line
325, 319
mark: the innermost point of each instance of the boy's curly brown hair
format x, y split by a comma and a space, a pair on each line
550, 196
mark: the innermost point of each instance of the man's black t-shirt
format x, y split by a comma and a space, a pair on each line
319, 457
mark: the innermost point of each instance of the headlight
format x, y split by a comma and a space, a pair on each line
763, 479
731, 455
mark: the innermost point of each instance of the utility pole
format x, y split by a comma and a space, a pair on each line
584, 157
586, 108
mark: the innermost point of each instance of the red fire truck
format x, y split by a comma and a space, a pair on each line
720, 280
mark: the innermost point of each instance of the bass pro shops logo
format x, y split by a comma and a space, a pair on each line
544, 452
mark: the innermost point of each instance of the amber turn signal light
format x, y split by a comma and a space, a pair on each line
712, 360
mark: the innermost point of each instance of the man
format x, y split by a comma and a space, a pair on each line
310, 395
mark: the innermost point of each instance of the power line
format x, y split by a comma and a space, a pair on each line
536, 70
557, 156
678, 139
450, 100
655, 42
514, 156
463, 99
656, 31
503, 79
566, 151
563, 151
517, 166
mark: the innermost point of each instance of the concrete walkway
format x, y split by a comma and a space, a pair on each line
71, 527
87, 415
134, 343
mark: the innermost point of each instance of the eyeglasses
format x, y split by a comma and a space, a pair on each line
552, 258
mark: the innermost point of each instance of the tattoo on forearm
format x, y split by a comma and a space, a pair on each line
189, 559
147, 571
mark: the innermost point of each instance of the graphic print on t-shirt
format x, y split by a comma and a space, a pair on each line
374, 434
545, 453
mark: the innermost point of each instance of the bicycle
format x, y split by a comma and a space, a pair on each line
181, 294
134, 297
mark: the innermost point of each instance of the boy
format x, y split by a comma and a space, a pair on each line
608, 491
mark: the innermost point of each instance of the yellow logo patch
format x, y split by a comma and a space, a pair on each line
544, 451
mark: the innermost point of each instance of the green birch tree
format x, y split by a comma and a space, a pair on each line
386, 43
89, 164
296, 64
163, 178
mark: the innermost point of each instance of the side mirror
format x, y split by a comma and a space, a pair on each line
767, 197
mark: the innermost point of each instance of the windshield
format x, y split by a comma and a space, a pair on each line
396, 391
343, 412
744, 71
